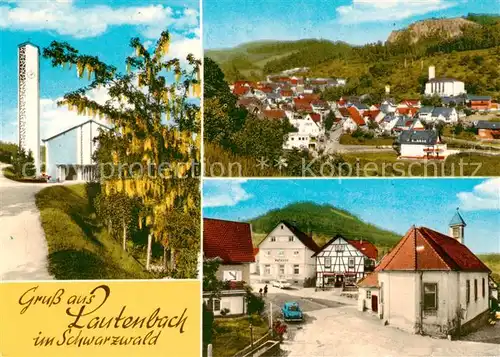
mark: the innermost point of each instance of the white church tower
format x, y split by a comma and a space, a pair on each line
28, 110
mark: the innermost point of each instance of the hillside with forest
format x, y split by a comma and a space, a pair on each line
465, 48
324, 222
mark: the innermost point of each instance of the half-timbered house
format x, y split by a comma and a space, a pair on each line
344, 261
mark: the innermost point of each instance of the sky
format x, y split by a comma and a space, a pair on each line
97, 27
391, 204
227, 23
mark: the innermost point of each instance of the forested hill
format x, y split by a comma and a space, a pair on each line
469, 53
325, 221
250, 60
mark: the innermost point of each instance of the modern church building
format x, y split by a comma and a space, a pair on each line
69, 153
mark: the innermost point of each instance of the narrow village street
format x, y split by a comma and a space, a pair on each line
23, 248
334, 327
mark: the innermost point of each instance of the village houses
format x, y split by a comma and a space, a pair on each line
421, 144
231, 243
342, 262
287, 253
429, 283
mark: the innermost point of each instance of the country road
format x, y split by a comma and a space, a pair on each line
331, 328
23, 248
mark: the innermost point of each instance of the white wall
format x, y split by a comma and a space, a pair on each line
235, 303
398, 298
445, 89
403, 295
297, 141
31, 74
286, 253
363, 300
242, 272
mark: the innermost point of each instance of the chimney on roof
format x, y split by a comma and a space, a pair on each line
457, 227
432, 72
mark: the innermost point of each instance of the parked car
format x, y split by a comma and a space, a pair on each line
291, 312
281, 284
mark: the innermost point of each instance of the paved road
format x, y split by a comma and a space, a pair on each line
334, 329
23, 248
333, 144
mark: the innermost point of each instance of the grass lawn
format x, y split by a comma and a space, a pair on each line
386, 164
9, 173
231, 335
347, 139
493, 262
464, 135
79, 248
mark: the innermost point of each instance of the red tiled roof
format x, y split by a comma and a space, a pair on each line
425, 249
266, 89
344, 112
230, 241
365, 247
274, 114
369, 281
315, 117
407, 111
286, 93
310, 97
302, 104
412, 102
372, 114
356, 116
255, 251
240, 90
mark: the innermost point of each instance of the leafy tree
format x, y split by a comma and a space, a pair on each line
458, 129
152, 120
432, 101
262, 138
255, 304
23, 164
329, 120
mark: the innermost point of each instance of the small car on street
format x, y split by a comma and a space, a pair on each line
291, 311
281, 284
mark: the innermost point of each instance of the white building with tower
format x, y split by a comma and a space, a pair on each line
430, 283
28, 110
443, 87
68, 154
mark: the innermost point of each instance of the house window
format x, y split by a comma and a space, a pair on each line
339, 248
273, 239
430, 296
267, 269
328, 262
296, 253
467, 291
456, 232
475, 289
281, 253
351, 262
368, 294
268, 253
214, 305
484, 290
281, 226
282, 270
290, 239
296, 270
